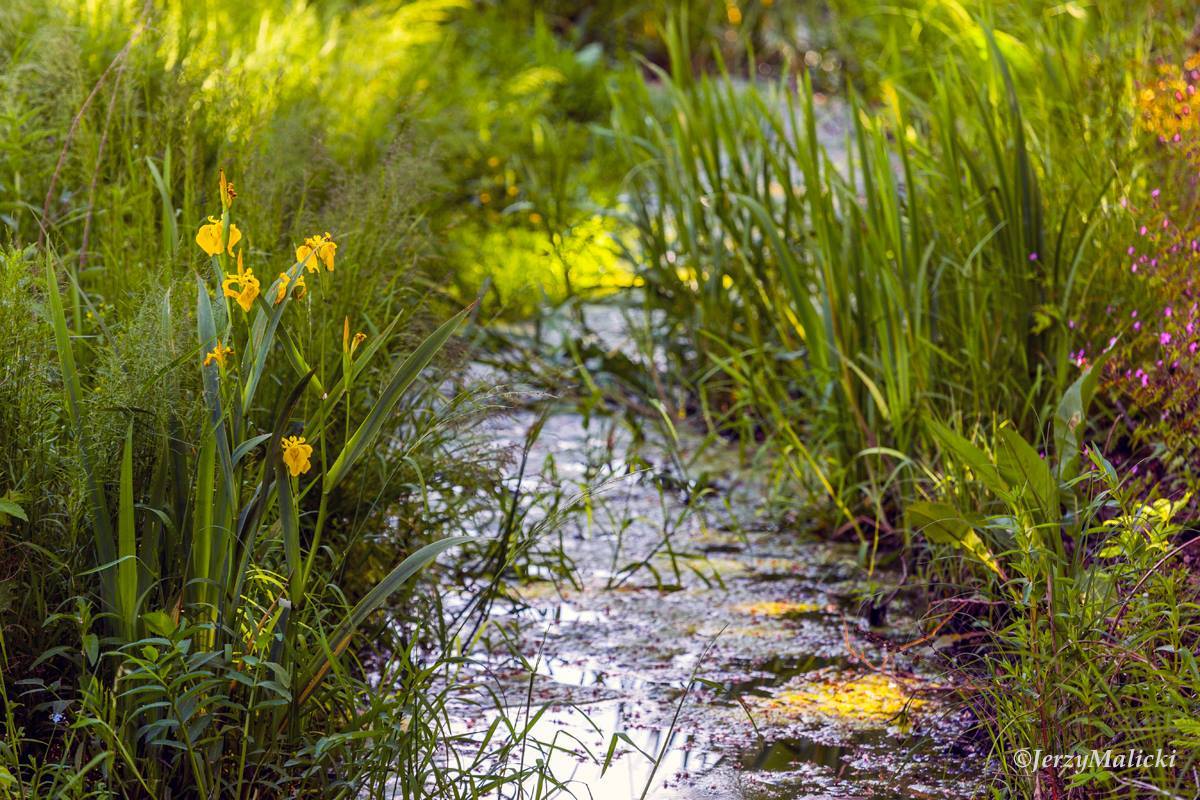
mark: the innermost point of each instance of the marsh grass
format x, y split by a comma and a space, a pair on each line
884, 322
917, 271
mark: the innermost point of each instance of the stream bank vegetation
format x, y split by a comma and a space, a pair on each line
928, 265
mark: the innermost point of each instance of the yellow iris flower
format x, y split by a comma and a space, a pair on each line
349, 345
218, 354
296, 454
227, 191
209, 237
243, 287
281, 289
321, 248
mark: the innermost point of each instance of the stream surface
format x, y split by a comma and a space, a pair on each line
697, 650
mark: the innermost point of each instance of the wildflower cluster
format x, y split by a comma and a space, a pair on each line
219, 238
1168, 105
1154, 372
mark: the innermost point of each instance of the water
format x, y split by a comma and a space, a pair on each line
695, 651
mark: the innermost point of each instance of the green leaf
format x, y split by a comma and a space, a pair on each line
361, 359
340, 639
159, 622
1070, 419
971, 456
212, 389
9, 508
127, 570
204, 528
1022, 467
289, 521
102, 533
941, 523
248, 445
364, 437
91, 647
264, 334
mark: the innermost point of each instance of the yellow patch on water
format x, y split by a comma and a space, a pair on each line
864, 699
708, 566
776, 608
537, 590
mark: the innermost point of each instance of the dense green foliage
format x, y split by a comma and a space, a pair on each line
897, 250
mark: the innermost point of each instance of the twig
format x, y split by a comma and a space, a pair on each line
91, 206
62, 155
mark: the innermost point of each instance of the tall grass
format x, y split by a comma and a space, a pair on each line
851, 294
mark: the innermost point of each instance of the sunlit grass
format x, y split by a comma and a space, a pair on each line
526, 266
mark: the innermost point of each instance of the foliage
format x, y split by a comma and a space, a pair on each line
909, 296
1092, 620
1151, 330
212, 643
910, 273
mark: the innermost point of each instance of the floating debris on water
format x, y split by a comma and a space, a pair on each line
698, 653
777, 608
839, 697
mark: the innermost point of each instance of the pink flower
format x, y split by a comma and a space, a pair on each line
1164, 338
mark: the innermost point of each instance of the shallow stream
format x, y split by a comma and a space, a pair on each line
700, 651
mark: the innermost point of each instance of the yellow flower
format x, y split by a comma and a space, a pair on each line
227, 192
296, 455
321, 248
348, 345
218, 354
246, 286
282, 289
209, 237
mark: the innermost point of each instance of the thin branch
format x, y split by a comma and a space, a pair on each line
62, 155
